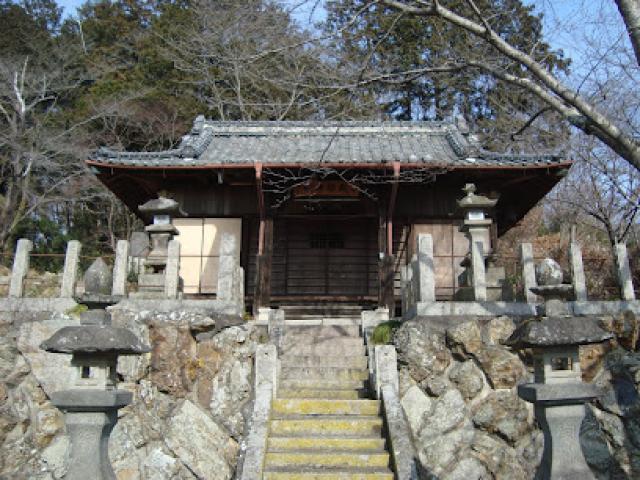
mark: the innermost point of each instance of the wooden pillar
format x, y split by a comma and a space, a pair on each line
262, 295
385, 268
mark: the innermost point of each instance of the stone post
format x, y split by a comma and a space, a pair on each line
624, 273
172, 271
404, 293
386, 369
120, 265
266, 365
479, 273
426, 270
266, 370
20, 267
398, 432
238, 286
528, 271
577, 272
227, 268
70, 273
275, 326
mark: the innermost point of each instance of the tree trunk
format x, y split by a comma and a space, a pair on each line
630, 12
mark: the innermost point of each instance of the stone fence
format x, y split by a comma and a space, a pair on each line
482, 294
230, 282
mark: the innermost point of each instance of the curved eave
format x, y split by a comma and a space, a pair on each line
218, 166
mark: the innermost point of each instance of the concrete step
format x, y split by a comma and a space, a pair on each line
327, 473
346, 394
326, 361
323, 373
325, 443
320, 320
311, 339
323, 459
333, 384
283, 407
348, 347
339, 425
323, 331
326, 309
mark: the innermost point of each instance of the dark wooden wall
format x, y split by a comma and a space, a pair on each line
319, 257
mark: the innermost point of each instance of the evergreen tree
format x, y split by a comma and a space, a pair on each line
423, 63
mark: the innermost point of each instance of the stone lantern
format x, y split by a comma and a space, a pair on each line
558, 393
91, 405
476, 227
161, 212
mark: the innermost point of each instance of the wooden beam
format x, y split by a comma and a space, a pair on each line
261, 210
259, 191
392, 206
262, 295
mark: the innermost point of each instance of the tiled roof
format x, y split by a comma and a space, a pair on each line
212, 143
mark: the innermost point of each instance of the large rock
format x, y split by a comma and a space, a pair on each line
8, 355
439, 454
468, 378
201, 444
416, 406
224, 384
502, 368
173, 359
503, 414
620, 383
468, 468
53, 371
500, 459
498, 330
594, 444
448, 413
465, 339
424, 351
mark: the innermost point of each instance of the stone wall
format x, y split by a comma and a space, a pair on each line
192, 396
457, 387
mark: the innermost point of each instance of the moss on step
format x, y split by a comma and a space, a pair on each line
383, 333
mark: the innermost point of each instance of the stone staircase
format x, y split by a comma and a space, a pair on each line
323, 426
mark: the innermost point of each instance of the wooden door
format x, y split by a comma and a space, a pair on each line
324, 257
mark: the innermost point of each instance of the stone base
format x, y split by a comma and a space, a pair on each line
151, 281
150, 295
372, 318
465, 294
88, 400
484, 309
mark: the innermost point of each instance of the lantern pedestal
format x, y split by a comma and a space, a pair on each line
90, 416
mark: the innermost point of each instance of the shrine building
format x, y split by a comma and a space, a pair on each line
326, 211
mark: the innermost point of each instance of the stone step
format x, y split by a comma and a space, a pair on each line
327, 309
319, 443
335, 393
326, 473
320, 320
347, 347
325, 361
322, 459
281, 407
323, 373
323, 331
310, 339
297, 383
339, 425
